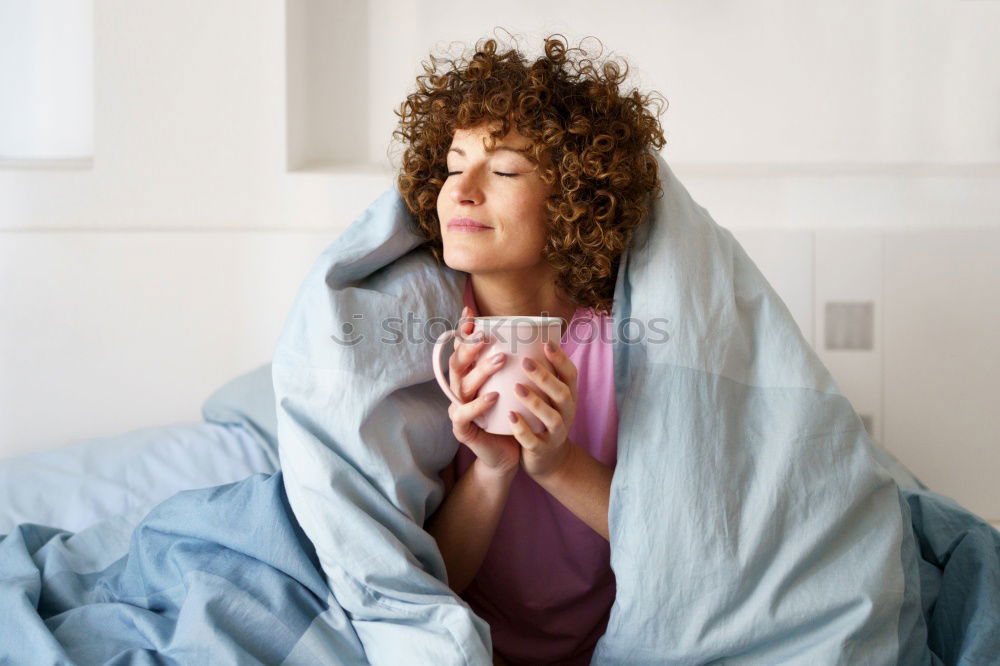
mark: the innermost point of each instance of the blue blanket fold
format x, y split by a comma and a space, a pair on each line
221, 575
959, 579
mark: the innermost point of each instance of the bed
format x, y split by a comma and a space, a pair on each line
752, 519
75, 486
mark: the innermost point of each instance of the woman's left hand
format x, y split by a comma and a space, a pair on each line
544, 453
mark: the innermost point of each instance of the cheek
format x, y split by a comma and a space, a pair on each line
525, 221
441, 198
526, 241
533, 222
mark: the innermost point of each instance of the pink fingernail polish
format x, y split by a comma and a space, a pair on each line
529, 364
512, 417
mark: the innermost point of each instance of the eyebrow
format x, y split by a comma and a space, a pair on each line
520, 151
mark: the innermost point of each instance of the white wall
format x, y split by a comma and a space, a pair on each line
853, 146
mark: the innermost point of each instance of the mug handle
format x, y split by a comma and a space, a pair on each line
438, 374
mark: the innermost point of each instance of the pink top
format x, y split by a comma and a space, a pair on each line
546, 585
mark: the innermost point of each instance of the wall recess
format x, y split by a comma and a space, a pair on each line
326, 85
46, 83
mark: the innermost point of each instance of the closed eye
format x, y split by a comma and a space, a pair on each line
499, 173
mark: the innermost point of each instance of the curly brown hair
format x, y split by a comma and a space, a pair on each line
587, 137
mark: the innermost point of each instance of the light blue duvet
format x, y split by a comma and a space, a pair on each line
752, 520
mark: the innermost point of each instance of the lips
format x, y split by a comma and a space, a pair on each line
466, 223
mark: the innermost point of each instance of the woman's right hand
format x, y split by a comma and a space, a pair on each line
466, 373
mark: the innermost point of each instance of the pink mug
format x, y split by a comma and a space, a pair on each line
518, 337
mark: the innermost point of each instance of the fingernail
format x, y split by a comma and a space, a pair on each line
521, 391
512, 417
529, 364
551, 346
496, 358
490, 397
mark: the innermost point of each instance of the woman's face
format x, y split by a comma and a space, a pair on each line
502, 190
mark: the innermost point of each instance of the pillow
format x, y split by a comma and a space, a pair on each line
247, 400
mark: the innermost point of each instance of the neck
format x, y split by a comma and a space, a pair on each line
509, 296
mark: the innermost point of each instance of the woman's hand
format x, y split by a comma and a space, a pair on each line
544, 453
466, 373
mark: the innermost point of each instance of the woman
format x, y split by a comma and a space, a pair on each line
551, 164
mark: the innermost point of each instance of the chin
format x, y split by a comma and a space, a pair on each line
463, 261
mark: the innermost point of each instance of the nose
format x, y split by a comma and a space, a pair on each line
466, 187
